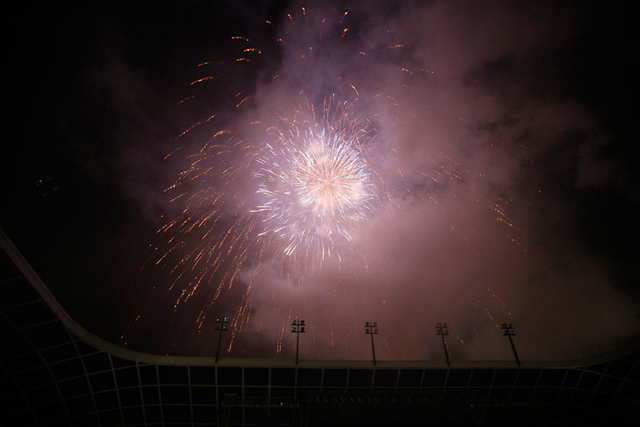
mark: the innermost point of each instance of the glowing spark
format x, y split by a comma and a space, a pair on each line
204, 79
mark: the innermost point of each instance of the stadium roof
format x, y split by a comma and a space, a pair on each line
55, 373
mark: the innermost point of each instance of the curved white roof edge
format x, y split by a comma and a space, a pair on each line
32, 277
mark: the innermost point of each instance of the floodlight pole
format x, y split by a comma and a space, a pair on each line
508, 332
371, 328
442, 330
298, 328
221, 325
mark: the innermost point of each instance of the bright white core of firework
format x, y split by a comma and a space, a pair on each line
329, 179
316, 188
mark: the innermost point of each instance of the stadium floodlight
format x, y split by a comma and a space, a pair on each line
221, 325
508, 332
298, 328
442, 330
371, 328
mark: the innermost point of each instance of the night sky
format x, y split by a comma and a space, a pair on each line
518, 199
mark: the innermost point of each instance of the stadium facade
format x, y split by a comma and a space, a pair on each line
55, 373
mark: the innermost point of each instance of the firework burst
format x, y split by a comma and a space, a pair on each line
317, 185
293, 199
288, 184
287, 188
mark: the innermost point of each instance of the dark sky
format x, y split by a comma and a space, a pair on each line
518, 200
